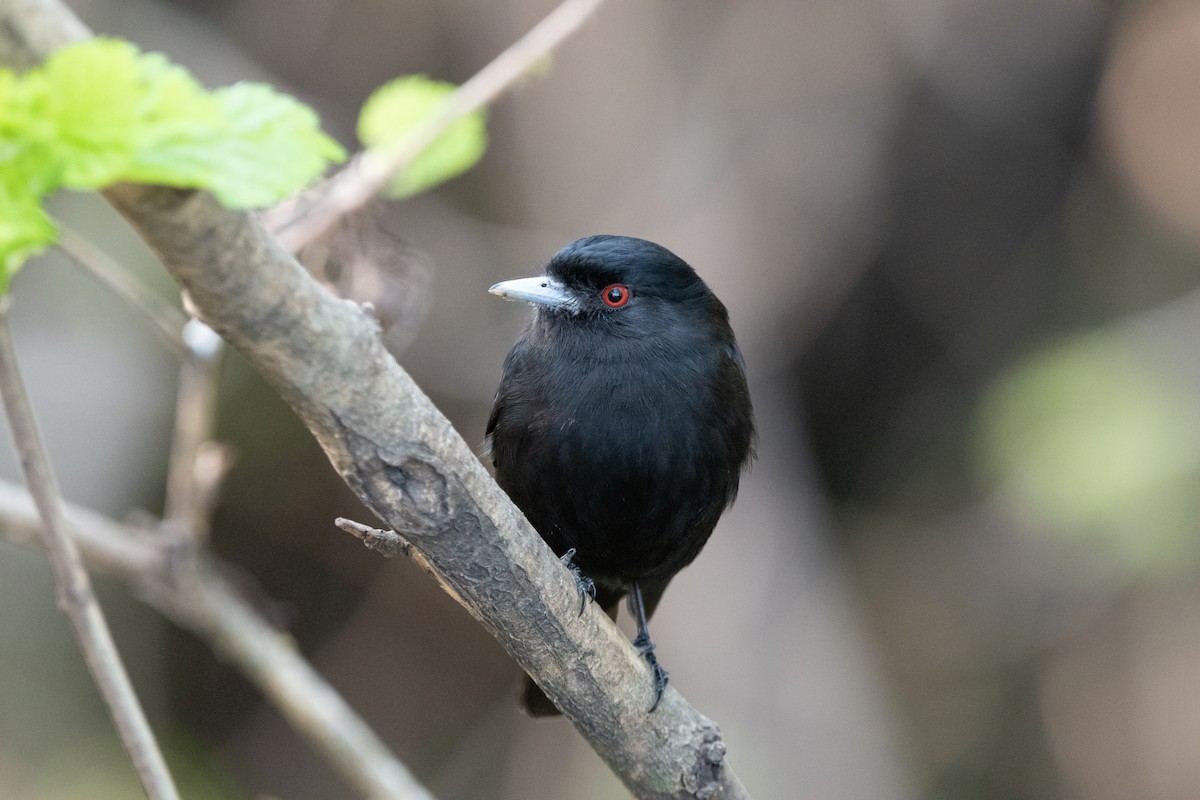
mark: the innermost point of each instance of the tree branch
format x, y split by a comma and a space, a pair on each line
75, 596
206, 605
405, 461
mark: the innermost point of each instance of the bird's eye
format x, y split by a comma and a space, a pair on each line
615, 295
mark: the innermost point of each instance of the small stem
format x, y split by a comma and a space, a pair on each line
75, 595
189, 486
297, 223
164, 318
390, 544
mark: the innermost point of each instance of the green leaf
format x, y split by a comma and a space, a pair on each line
256, 147
117, 115
25, 230
278, 145
1090, 443
87, 97
397, 107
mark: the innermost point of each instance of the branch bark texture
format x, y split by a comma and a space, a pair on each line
405, 461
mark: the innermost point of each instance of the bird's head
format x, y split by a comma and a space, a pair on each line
619, 282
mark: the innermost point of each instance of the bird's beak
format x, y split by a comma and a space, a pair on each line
540, 290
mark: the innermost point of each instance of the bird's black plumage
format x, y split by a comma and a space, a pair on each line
622, 422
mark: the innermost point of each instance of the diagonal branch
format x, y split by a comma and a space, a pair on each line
405, 461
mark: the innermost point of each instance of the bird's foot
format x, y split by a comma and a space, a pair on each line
660, 676
583, 584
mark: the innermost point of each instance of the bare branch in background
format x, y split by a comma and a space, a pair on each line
173, 572
75, 596
300, 221
170, 567
196, 465
207, 605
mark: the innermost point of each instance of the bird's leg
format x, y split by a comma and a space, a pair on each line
583, 584
645, 646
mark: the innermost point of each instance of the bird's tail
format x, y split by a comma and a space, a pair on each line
535, 701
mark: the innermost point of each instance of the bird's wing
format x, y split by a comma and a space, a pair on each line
500, 403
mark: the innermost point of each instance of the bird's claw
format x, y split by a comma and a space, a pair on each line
583, 584
660, 676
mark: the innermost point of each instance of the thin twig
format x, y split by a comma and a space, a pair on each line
165, 319
390, 544
210, 608
75, 595
194, 470
298, 223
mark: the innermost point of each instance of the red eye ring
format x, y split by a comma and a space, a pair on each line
615, 295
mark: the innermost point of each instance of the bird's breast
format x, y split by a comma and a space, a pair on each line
622, 461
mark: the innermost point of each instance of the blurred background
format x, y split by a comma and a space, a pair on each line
958, 240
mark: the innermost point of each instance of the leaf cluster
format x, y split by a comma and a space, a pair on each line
101, 112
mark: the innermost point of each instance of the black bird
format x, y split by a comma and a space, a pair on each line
622, 422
